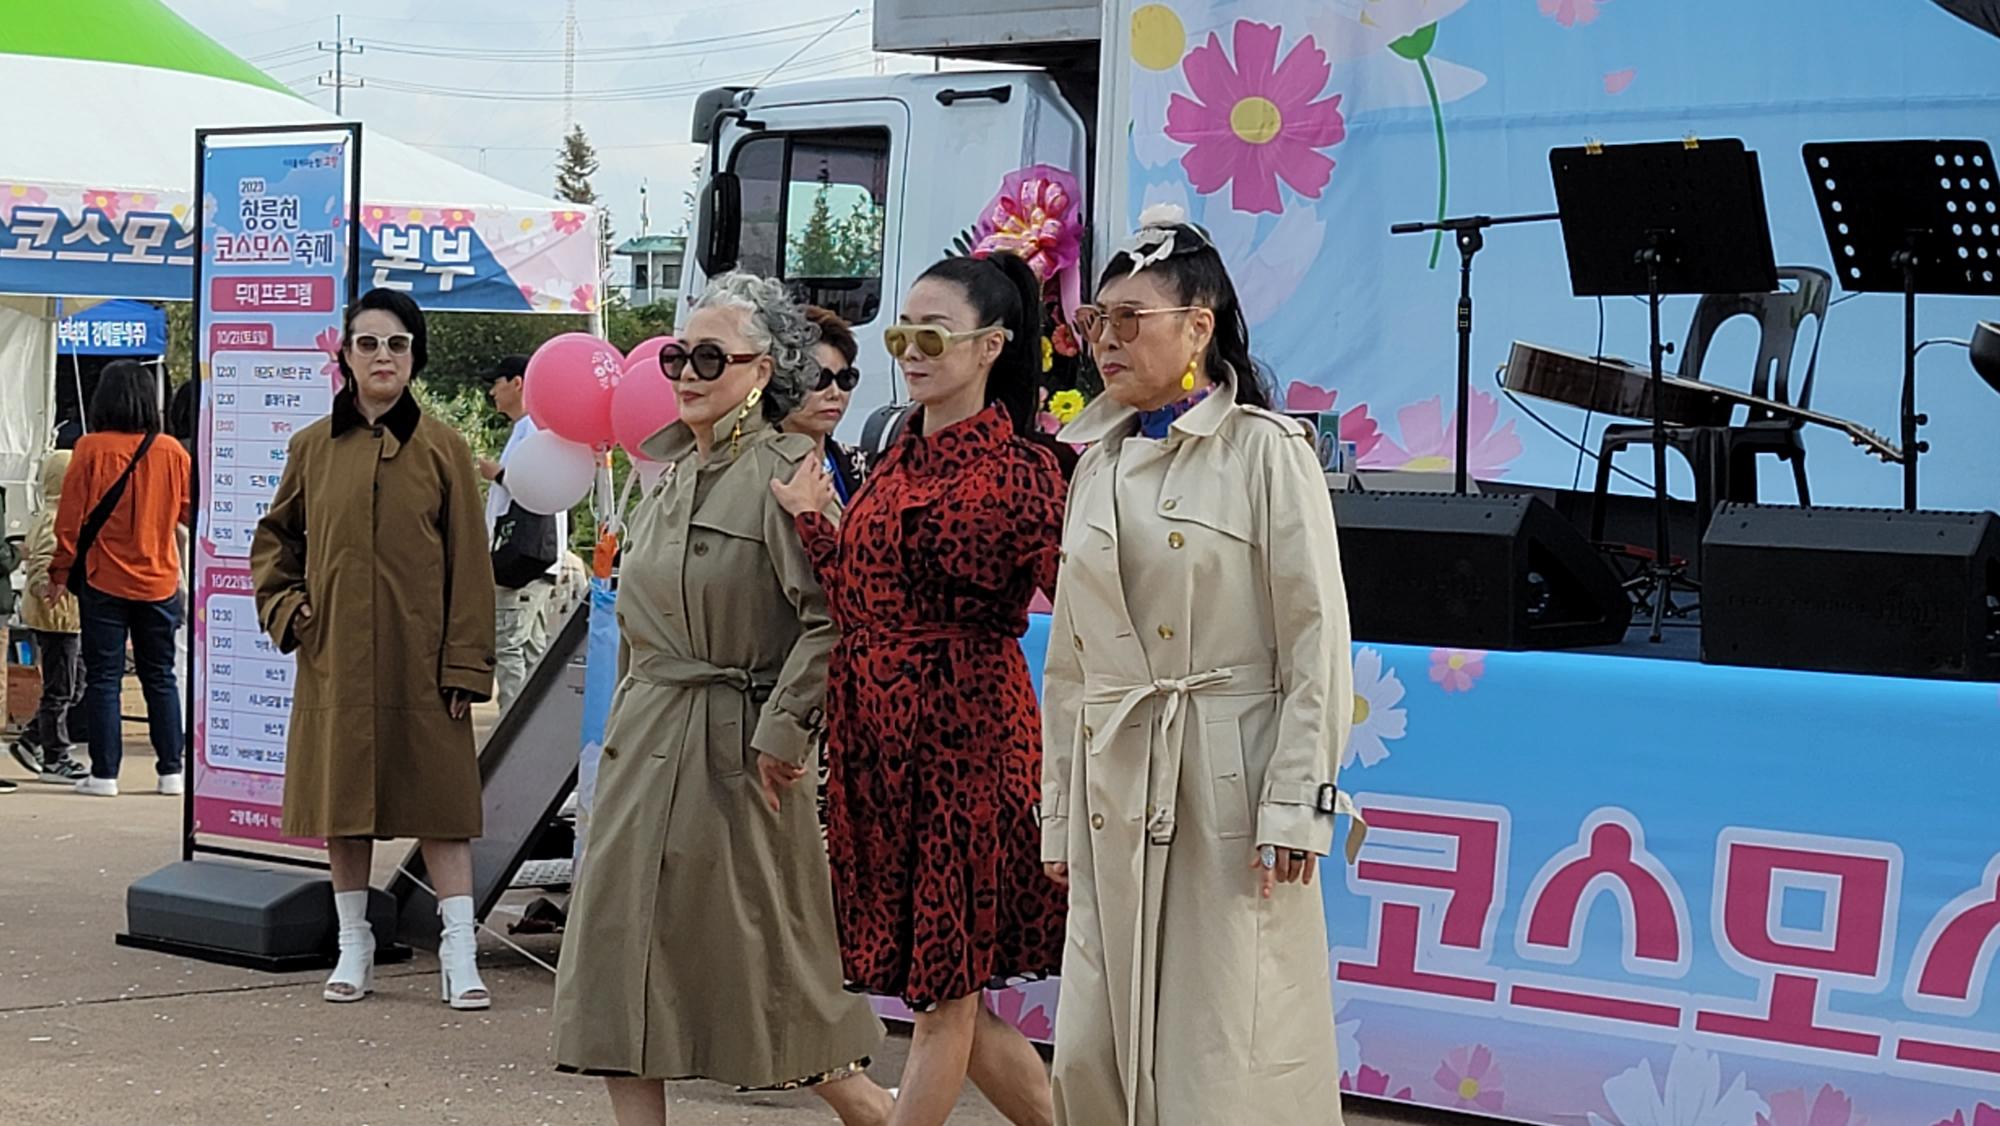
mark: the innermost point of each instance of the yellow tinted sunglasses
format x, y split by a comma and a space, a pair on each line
931, 340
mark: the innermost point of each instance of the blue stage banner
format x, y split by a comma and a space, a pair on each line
114, 328
1617, 891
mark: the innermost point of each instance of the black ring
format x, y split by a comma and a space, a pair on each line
1298, 856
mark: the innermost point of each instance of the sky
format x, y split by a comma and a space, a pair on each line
502, 63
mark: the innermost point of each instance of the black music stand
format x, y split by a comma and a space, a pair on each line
1909, 217
1658, 218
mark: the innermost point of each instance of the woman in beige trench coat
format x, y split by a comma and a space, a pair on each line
371, 567
1196, 694
701, 942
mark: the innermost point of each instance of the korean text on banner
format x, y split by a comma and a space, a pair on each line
277, 220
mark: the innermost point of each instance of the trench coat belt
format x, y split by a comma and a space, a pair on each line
1167, 741
687, 672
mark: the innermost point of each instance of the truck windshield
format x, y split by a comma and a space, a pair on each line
813, 206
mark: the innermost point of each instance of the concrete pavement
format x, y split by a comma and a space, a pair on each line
95, 1034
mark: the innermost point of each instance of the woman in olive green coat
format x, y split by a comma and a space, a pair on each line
701, 941
372, 569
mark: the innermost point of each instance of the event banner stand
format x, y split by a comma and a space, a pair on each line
279, 260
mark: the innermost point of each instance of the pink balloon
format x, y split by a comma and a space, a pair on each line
643, 405
648, 350
568, 387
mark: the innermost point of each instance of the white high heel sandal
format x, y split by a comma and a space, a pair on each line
354, 975
458, 956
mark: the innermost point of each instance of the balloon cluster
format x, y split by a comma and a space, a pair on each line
585, 398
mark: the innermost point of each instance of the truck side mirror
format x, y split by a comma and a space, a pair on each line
721, 223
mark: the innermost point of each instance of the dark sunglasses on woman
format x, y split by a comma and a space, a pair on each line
709, 361
846, 379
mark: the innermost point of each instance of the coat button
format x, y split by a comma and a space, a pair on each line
1166, 633
1078, 640
1097, 821
1176, 541
1169, 505
610, 752
1088, 733
701, 549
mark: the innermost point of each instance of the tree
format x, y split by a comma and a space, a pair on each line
814, 251
858, 238
627, 325
575, 165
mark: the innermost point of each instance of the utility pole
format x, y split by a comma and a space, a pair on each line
340, 48
569, 67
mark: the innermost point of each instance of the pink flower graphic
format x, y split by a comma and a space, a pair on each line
1457, 670
328, 341
1355, 425
1430, 439
1471, 1078
1985, 1115
1828, 1108
528, 294
373, 217
101, 200
1256, 121
1570, 13
1616, 81
1034, 1023
20, 195
453, 218
1369, 1081
584, 299
568, 222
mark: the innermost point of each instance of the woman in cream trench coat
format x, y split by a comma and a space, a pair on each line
1195, 698
701, 942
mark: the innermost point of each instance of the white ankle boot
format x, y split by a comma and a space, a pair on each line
354, 977
457, 955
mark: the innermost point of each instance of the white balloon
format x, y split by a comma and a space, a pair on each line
547, 473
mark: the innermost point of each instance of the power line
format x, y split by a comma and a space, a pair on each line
639, 52
618, 94
679, 46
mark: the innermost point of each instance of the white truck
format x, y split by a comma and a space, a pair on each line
850, 188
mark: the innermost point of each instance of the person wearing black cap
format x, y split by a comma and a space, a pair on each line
520, 619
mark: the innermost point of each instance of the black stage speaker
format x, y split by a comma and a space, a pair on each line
1852, 590
1477, 572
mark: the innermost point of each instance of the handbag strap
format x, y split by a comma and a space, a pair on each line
101, 515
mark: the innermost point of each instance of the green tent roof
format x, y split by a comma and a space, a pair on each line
139, 32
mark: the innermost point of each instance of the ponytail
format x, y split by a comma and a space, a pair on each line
1003, 290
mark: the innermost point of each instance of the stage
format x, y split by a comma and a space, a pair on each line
1588, 865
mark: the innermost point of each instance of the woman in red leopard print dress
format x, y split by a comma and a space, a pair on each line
933, 728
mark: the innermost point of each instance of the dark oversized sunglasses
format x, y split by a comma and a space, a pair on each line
846, 379
709, 361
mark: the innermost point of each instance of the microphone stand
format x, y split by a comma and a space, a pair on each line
1470, 233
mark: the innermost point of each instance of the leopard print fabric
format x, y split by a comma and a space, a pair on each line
933, 730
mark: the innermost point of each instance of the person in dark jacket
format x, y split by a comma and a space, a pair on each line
827, 400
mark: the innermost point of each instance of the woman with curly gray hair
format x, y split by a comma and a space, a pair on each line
702, 944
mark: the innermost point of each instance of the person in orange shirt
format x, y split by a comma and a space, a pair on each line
131, 585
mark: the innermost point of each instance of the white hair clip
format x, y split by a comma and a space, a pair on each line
1155, 240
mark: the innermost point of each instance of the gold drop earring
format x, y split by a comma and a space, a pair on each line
1187, 377
750, 403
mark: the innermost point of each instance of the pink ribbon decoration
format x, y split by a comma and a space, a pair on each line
1038, 215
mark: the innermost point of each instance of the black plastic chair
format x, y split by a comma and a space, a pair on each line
1724, 458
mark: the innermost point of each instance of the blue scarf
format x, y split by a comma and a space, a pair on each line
1154, 424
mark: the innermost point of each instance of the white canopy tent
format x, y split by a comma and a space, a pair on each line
126, 83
